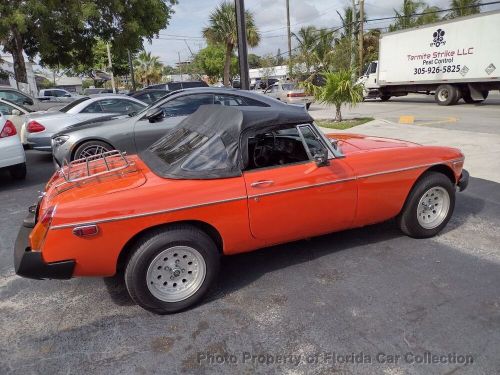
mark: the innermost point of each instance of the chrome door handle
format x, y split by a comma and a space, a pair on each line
261, 183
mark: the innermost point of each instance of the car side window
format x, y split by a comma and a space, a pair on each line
186, 105
6, 109
276, 148
13, 96
229, 100
58, 93
313, 144
118, 106
93, 108
274, 88
254, 103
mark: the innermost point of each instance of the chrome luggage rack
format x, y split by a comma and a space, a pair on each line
113, 162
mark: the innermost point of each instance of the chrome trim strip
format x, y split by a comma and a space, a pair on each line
63, 226
118, 218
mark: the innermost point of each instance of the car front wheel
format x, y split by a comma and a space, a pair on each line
91, 148
429, 206
171, 269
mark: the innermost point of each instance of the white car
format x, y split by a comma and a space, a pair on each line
13, 112
39, 127
12, 155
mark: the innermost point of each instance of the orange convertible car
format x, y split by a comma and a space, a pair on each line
224, 181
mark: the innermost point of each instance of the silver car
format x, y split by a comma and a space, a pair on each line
136, 133
39, 128
289, 93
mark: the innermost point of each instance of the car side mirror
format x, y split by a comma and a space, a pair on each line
28, 101
67, 95
321, 158
154, 114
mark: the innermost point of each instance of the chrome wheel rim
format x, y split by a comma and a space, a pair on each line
93, 150
176, 273
433, 207
443, 95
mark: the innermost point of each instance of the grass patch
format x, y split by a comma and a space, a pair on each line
346, 124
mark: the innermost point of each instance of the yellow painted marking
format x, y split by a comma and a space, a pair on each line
407, 119
446, 120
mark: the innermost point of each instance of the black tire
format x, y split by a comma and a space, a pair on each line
408, 218
88, 146
385, 98
148, 249
18, 171
446, 95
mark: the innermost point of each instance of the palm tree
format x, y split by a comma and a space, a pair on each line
223, 30
307, 38
148, 69
323, 49
339, 89
464, 8
409, 15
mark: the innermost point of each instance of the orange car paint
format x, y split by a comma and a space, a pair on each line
369, 185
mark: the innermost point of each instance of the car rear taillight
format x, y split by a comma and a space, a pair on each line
8, 129
34, 127
48, 215
295, 94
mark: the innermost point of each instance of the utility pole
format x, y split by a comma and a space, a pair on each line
111, 69
242, 45
131, 68
180, 65
352, 28
289, 38
361, 24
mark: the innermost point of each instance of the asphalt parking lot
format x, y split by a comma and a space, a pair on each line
366, 295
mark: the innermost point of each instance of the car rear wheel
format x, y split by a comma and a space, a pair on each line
429, 206
171, 269
18, 171
385, 98
91, 148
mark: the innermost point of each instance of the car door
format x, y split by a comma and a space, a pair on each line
174, 111
299, 200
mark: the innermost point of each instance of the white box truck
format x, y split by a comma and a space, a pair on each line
454, 59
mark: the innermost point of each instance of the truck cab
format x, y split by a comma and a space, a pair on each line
369, 81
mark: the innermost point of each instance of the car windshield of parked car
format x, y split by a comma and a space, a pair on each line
73, 104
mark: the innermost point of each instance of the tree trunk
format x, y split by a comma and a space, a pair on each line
227, 64
15, 47
338, 114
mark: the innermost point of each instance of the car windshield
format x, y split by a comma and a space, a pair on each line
73, 104
289, 86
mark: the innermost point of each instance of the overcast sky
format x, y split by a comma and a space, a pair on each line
191, 16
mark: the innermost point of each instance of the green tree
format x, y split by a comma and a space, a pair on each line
210, 60
148, 68
253, 61
410, 15
64, 32
464, 8
223, 30
338, 90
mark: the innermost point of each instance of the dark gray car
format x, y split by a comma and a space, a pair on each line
135, 133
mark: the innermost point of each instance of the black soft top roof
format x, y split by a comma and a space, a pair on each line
233, 126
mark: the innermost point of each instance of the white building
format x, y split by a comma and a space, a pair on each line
7, 66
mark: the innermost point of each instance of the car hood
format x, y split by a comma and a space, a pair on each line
105, 120
350, 143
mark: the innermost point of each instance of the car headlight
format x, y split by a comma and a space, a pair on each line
58, 141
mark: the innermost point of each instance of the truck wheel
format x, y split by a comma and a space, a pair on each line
18, 171
446, 95
429, 206
171, 269
385, 98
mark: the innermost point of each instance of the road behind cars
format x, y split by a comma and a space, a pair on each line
370, 290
